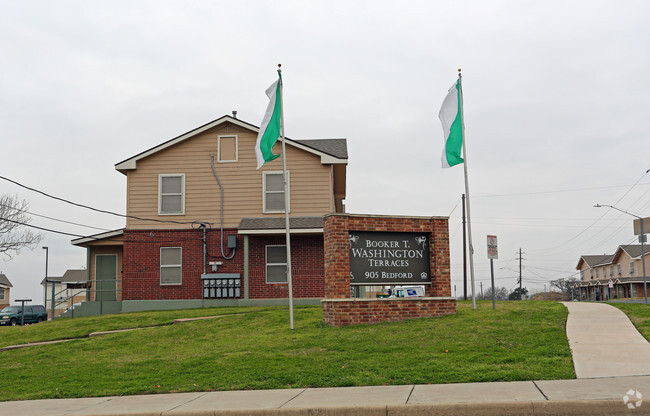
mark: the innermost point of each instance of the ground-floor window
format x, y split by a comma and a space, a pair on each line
276, 264
171, 265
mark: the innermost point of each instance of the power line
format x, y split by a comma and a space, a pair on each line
56, 219
174, 240
95, 209
551, 249
557, 191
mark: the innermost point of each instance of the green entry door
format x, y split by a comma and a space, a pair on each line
106, 275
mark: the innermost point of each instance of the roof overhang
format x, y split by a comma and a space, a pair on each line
276, 226
110, 235
281, 231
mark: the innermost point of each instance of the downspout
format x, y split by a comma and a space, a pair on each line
221, 188
205, 248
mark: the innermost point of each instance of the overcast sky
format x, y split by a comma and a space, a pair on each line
557, 101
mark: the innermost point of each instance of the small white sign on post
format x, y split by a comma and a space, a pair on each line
637, 226
493, 252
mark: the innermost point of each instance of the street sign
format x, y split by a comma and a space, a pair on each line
637, 226
493, 252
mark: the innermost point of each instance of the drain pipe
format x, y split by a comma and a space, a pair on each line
205, 248
221, 187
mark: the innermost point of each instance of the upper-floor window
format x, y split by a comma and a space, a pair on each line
597, 273
618, 269
171, 265
276, 264
227, 149
273, 188
611, 270
2, 293
631, 268
171, 194
582, 275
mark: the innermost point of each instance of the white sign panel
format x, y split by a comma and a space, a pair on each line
493, 252
637, 226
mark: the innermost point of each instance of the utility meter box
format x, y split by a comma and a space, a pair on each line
232, 241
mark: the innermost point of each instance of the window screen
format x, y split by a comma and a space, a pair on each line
273, 192
276, 264
171, 194
170, 265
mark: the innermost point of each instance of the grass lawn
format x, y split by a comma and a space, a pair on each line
257, 350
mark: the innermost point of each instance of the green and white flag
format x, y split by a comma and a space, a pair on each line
271, 125
452, 126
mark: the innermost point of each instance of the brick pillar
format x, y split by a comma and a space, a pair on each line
337, 257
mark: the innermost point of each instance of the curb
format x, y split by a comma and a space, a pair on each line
528, 408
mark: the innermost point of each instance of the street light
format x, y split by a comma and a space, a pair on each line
47, 252
46, 261
642, 238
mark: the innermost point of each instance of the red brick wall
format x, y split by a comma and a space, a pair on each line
337, 270
337, 253
355, 312
307, 268
141, 268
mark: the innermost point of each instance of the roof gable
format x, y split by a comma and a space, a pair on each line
331, 151
597, 260
4, 281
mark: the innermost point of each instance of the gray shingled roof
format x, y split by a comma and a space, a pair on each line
597, 259
333, 147
634, 250
70, 276
4, 281
277, 223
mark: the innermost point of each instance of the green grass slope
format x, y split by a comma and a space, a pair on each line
257, 350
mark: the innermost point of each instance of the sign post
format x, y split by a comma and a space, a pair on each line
493, 253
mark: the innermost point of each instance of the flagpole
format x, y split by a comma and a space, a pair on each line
286, 200
469, 217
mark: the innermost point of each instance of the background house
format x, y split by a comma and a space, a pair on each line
612, 276
72, 289
203, 223
5, 289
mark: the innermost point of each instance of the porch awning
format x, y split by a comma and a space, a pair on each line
276, 225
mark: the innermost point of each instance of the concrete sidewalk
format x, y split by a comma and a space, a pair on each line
612, 361
604, 343
575, 397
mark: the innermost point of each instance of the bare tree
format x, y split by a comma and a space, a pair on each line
13, 235
501, 293
565, 286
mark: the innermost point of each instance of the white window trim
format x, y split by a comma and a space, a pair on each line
276, 211
219, 160
2, 293
160, 195
171, 265
267, 264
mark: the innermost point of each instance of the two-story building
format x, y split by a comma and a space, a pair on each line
612, 276
5, 289
202, 223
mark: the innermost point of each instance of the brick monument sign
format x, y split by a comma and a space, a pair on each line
375, 250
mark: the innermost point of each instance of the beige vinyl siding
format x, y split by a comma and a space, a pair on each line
311, 182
